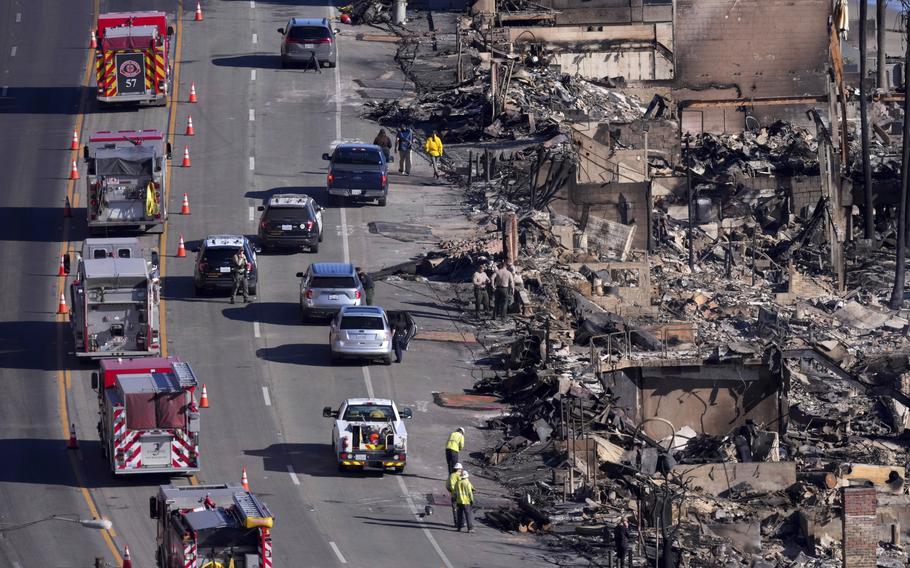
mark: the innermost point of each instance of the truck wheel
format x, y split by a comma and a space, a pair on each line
320, 237
315, 248
342, 468
253, 289
197, 290
387, 361
382, 201
399, 469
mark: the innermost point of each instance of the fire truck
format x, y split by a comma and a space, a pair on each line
149, 420
126, 177
114, 308
210, 526
133, 57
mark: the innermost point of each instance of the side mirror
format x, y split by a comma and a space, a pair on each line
85, 152
156, 259
327, 412
320, 208
153, 507
326, 157
300, 275
336, 30
261, 208
170, 30
391, 159
407, 413
94, 381
281, 31
168, 151
66, 264
257, 249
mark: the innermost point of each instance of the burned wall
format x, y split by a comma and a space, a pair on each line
610, 11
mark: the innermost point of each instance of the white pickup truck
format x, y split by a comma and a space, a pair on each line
369, 434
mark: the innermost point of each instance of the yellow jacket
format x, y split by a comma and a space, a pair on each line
464, 492
452, 481
433, 146
456, 441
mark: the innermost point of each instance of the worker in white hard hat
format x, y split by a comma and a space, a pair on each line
451, 482
453, 446
464, 498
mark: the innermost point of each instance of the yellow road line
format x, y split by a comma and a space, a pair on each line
162, 240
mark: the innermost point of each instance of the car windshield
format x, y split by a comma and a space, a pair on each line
296, 213
220, 255
309, 32
362, 322
357, 156
371, 412
333, 282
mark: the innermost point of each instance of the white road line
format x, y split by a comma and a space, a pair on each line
337, 552
252, 163
367, 381
252, 212
344, 236
293, 475
12, 52
18, 17
252, 114
255, 38
253, 4
426, 531
265, 395
344, 218
252, 74
256, 332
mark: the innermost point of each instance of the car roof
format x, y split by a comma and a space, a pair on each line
289, 200
333, 269
368, 311
322, 22
224, 241
376, 401
358, 146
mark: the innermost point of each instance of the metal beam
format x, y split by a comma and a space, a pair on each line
760, 101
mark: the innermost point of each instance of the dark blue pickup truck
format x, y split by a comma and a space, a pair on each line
357, 171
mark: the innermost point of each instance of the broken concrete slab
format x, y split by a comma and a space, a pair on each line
726, 479
858, 316
468, 401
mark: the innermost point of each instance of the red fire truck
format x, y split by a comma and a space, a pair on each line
133, 57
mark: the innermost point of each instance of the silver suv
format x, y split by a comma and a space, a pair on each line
361, 332
308, 41
326, 287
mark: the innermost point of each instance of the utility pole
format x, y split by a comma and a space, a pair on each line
881, 8
869, 226
689, 200
897, 293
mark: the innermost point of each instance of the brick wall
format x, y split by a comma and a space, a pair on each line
771, 48
860, 519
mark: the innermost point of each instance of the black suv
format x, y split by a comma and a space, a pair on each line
292, 221
213, 263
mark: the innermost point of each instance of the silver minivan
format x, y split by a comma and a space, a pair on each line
326, 287
308, 41
361, 332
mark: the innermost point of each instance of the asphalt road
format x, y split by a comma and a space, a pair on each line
259, 130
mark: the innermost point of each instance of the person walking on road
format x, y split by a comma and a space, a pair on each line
621, 542
453, 446
464, 498
368, 286
503, 282
404, 141
239, 270
399, 336
383, 141
433, 148
451, 482
481, 297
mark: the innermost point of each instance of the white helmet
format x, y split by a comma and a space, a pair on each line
464, 475
459, 466
460, 429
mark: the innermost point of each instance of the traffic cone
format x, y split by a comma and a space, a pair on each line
94, 43
181, 252
74, 172
185, 208
186, 157
204, 401
61, 271
127, 562
193, 98
244, 481
67, 209
198, 17
61, 307
73, 444
189, 127
74, 145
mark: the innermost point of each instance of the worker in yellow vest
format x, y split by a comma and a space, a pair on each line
464, 499
451, 482
453, 446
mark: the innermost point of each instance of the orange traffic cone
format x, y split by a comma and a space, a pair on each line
186, 157
73, 444
127, 562
67, 209
198, 17
181, 252
62, 270
185, 208
204, 401
244, 481
193, 98
74, 145
61, 307
94, 43
74, 172
190, 131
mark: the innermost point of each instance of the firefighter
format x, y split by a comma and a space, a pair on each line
368, 286
453, 446
464, 496
240, 268
451, 482
433, 148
